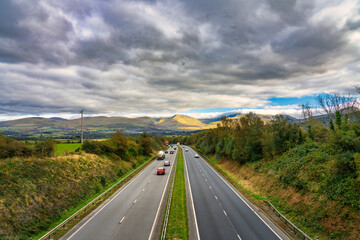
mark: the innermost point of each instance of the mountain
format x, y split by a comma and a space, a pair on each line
102, 126
181, 122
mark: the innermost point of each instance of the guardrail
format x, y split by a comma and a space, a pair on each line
287, 222
163, 233
295, 229
90, 204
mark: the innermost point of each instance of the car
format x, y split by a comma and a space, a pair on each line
174, 148
166, 152
196, 156
167, 163
171, 152
186, 150
160, 171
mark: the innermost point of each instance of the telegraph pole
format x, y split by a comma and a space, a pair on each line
82, 124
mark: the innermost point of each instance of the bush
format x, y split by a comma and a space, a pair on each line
45, 148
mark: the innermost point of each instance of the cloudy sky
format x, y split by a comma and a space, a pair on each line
141, 57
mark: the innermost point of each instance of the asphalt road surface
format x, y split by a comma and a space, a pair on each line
133, 212
221, 212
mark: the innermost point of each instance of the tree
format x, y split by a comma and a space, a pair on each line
333, 103
145, 144
120, 144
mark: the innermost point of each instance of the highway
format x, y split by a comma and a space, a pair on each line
220, 211
134, 212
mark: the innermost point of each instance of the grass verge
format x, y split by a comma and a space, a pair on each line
177, 227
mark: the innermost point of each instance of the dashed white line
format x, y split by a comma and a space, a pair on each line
232, 188
129, 183
122, 220
143, 189
135, 201
239, 237
216, 197
225, 213
210, 187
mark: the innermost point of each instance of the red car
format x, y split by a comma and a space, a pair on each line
161, 171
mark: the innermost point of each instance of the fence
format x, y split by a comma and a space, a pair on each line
287, 222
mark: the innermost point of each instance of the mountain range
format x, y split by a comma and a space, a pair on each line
103, 126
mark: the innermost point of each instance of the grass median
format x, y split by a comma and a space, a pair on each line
177, 227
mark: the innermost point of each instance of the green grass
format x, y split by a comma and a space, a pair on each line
177, 227
63, 148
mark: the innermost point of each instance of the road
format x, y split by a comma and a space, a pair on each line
220, 211
133, 212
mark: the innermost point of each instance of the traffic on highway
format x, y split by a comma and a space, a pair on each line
217, 209
134, 212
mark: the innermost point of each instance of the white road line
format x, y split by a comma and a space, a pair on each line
135, 201
191, 198
162, 198
243, 200
210, 187
143, 189
239, 237
122, 220
224, 212
109, 202
216, 197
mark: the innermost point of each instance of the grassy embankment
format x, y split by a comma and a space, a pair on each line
38, 193
298, 184
177, 227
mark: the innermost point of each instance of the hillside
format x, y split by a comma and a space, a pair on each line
102, 126
28, 186
181, 122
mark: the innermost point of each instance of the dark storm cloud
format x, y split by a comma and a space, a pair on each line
123, 56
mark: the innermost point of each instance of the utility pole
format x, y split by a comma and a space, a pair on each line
82, 124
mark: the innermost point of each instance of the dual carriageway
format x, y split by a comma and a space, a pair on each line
216, 210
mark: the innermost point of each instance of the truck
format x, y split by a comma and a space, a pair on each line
161, 155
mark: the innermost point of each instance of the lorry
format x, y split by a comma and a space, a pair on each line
161, 155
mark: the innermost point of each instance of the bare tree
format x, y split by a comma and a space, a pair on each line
332, 103
307, 112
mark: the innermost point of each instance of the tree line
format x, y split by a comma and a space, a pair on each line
117, 146
120, 146
335, 135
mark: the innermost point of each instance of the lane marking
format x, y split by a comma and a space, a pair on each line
224, 212
241, 198
239, 237
143, 189
135, 201
131, 181
210, 187
191, 199
162, 198
122, 220
216, 197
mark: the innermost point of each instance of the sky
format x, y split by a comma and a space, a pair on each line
148, 57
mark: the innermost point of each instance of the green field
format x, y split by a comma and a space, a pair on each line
63, 148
